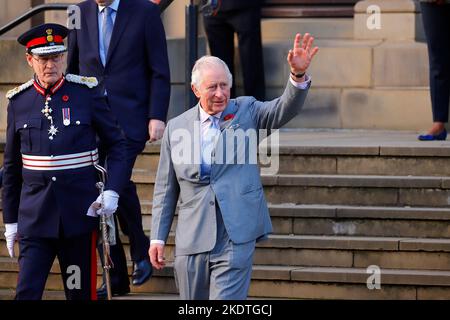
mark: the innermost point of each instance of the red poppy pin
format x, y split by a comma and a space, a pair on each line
65, 98
228, 117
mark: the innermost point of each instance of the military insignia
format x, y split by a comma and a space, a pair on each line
49, 35
66, 116
11, 93
90, 82
52, 131
65, 98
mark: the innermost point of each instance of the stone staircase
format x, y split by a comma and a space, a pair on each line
342, 201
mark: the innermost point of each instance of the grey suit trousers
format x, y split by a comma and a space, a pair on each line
224, 273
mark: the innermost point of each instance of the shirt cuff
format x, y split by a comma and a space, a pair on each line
301, 85
157, 242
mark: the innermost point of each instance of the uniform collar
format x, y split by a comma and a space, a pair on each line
49, 91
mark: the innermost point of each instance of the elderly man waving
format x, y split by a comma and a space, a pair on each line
222, 210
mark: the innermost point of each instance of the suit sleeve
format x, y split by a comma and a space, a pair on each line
12, 174
112, 137
73, 53
158, 64
165, 195
276, 113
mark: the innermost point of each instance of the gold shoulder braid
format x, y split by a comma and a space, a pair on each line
90, 82
11, 93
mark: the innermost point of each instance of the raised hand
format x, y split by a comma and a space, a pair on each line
301, 55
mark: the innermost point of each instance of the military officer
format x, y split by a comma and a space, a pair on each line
50, 201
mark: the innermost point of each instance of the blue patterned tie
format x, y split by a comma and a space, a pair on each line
107, 28
208, 143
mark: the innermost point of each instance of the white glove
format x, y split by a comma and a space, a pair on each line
110, 199
11, 237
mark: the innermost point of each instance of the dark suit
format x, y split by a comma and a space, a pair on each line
50, 206
243, 18
137, 81
436, 21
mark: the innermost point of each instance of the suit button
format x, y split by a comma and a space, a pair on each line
25, 125
53, 178
77, 122
211, 203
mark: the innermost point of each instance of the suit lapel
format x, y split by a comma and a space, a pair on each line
92, 26
123, 15
229, 112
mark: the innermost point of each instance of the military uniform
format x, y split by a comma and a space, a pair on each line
49, 180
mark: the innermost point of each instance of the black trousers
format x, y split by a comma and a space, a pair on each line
77, 259
246, 23
129, 217
436, 21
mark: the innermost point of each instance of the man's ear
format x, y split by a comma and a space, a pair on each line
29, 57
195, 90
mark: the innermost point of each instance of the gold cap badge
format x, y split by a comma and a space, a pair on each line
49, 35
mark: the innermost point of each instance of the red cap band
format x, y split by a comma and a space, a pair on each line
43, 40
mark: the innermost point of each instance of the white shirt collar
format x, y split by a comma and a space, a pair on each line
205, 116
114, 5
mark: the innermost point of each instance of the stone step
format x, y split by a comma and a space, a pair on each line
346, 159
9, 294
59, 295
334, 165
345, 190
337, 251
346, 220
360, 221
162, 280
335, 142
393, 282
335, 180
340, 165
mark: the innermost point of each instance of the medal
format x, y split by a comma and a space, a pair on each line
66, 116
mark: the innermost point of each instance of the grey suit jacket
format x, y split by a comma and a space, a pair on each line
237, 188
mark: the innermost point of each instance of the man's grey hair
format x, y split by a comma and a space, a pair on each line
205, 62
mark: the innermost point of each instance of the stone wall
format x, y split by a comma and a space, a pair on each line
10, 9
361, 78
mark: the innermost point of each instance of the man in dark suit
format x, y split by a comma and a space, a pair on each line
243, 18
123, 44
49, 177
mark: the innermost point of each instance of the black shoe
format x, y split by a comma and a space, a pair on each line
142, 272
102, 293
